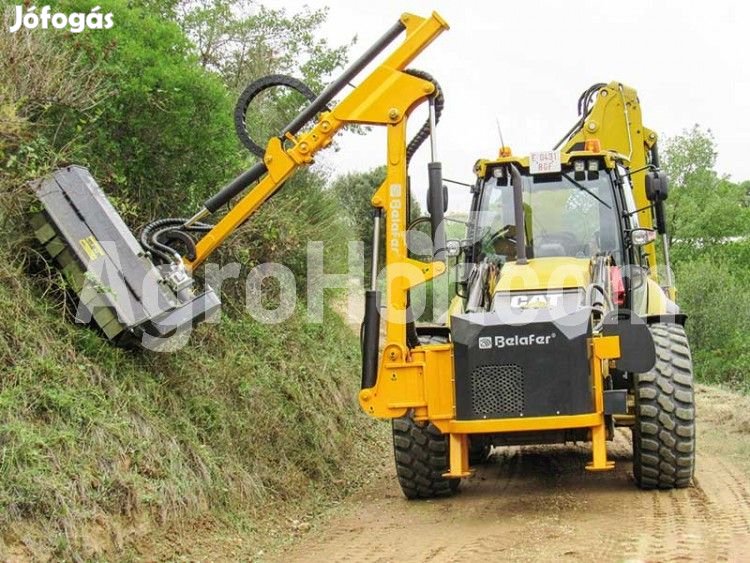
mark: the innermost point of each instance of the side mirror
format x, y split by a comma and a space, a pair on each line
657, 186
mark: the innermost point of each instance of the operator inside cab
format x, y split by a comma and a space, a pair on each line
563, 217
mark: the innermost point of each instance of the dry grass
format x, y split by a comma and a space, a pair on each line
726, 432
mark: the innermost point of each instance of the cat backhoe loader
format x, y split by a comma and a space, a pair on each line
560, 330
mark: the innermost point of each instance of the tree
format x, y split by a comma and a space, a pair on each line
242, 41
704, 208
163, 139
709, 221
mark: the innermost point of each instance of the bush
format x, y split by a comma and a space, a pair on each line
163, 137
717, 302
244, 418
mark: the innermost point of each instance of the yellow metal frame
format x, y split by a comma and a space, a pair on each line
385, 97
425, 385
615, 119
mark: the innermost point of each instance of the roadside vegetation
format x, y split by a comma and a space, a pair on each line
100, 447
709, 215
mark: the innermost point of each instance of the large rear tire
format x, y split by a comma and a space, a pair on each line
421, 453
664, 431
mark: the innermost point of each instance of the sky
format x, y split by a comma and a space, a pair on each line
524, 64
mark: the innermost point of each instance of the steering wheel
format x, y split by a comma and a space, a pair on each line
568, 240
502, 234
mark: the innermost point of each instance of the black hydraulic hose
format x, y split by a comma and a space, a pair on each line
253, 90
152, 232
424, 131
584, 102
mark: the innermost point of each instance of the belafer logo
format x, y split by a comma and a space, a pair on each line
488, 342
76, 22
485, 342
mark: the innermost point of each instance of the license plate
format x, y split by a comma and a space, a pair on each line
544, 162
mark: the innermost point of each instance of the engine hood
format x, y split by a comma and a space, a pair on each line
545, 273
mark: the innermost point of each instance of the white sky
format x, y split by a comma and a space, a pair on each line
526, 63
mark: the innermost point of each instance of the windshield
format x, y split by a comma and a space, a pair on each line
563, 216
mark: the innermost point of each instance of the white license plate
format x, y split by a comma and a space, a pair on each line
544, 162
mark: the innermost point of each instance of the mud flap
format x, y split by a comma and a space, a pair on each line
117, 285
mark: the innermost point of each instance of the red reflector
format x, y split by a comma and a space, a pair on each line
618, 287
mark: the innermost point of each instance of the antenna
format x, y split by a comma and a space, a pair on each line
499, 132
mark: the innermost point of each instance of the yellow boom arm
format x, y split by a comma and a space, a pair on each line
615, 120
386, 97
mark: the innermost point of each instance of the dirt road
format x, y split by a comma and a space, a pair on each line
538, 503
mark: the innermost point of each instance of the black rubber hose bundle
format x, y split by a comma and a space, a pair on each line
171, 228
252, 91
584, 108
255, 88
585, 99
424, 131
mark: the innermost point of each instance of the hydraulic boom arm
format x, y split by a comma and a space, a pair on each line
386, 97
615, 120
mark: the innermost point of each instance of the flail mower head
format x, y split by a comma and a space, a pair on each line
120, 289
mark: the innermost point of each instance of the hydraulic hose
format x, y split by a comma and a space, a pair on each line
252, 91
171, 228
424, 131
251, 176
584, 108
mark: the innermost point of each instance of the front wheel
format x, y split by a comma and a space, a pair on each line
664, 431
421, 452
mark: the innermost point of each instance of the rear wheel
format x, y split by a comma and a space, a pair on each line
421, 453
664, 431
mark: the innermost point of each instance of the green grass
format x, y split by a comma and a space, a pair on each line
247, 417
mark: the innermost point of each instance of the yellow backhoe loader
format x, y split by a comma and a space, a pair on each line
561, 329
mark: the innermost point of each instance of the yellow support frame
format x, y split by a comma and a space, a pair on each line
386, 97
616, 121
603, 349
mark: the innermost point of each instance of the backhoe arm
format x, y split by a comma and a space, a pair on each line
615, 120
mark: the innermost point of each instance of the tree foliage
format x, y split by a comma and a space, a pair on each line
709, 225
704, 207
242, 40
232, 424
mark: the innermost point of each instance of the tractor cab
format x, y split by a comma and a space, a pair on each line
540, 223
